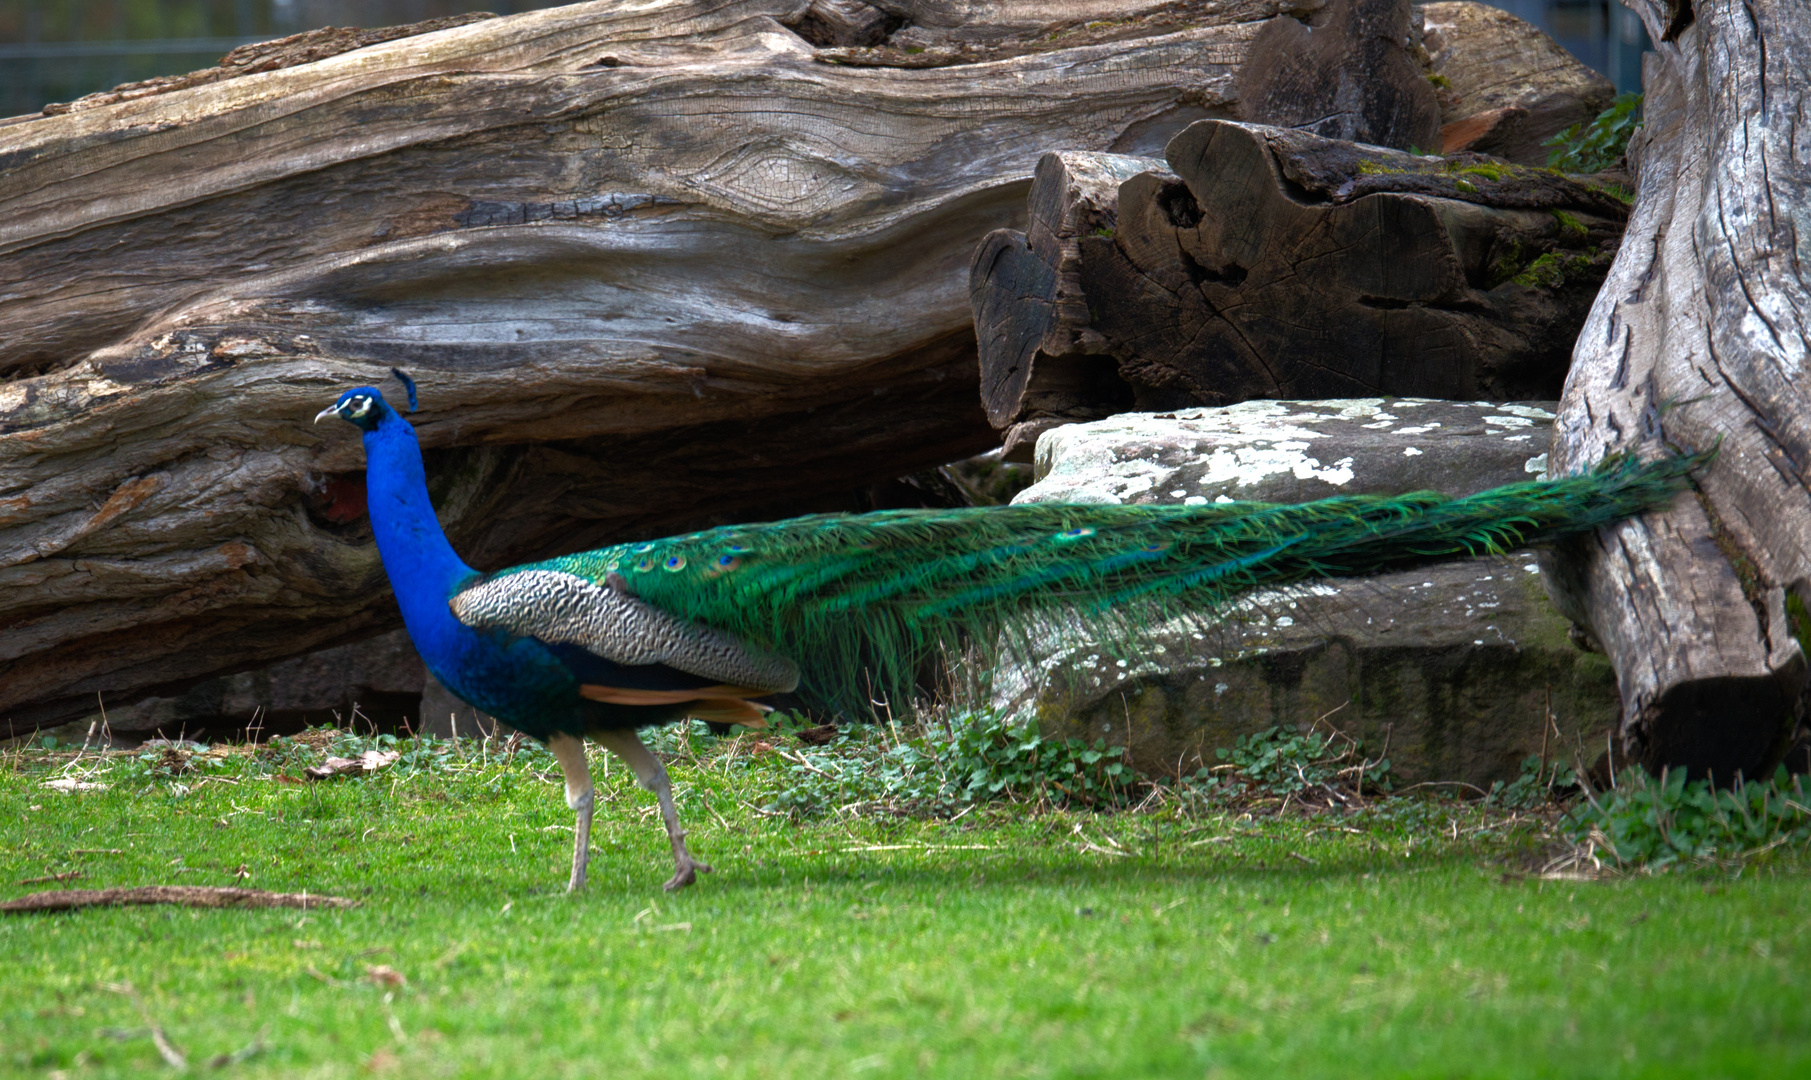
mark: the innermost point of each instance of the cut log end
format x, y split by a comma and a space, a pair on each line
1350, 74
1273, 263
1716, 728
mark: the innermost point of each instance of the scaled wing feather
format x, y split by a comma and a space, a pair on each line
613, 623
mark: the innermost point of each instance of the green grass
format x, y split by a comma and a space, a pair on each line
1002, 944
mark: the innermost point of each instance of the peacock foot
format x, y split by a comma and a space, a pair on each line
686, 871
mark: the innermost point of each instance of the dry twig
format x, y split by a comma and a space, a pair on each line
168, 1052
185, 895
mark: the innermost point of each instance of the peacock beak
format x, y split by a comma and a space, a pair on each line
331, 410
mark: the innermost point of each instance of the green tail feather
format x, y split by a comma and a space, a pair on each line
863, 601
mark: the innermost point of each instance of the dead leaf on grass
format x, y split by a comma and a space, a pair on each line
368, 762
822, 735
385, 975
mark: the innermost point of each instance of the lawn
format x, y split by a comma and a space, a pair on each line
1413, 939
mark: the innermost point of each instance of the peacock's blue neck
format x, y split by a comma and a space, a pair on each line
514, 679
423, 569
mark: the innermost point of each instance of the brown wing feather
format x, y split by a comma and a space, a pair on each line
717, 704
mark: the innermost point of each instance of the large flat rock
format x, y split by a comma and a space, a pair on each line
1293, 451
1463, 669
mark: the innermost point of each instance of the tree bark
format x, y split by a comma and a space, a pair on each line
1276, 264
1699, 337
653, 266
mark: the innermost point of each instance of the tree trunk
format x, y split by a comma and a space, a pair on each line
1700, 336
1277, 264
653, 266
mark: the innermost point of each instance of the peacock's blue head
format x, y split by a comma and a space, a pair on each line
365, 406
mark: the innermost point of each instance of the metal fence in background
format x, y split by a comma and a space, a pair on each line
1602, 33
58, 50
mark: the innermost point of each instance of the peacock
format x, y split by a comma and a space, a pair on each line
846, 609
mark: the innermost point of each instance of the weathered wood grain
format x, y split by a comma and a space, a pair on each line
1509, 86
653, 265
1700, 335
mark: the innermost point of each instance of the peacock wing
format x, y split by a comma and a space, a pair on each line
608, 619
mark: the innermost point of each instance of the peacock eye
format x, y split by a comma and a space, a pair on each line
1075, 534
611, 566
643, 549
1157, 547
728, 562
738, 549
642, 566
675, 562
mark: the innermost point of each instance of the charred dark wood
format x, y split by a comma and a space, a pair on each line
1352, 72
1276, 264
1700, 338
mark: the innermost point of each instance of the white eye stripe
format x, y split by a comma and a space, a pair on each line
361, 406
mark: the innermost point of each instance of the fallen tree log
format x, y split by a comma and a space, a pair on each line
653, 266
1272, 263
1701, 337
1448, 76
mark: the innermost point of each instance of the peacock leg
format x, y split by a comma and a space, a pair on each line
653, 776
581, 796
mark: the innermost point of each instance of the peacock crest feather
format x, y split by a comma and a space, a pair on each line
863, 601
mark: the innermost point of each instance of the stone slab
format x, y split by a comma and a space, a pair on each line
1463, 668
1459, 671
1293, 451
